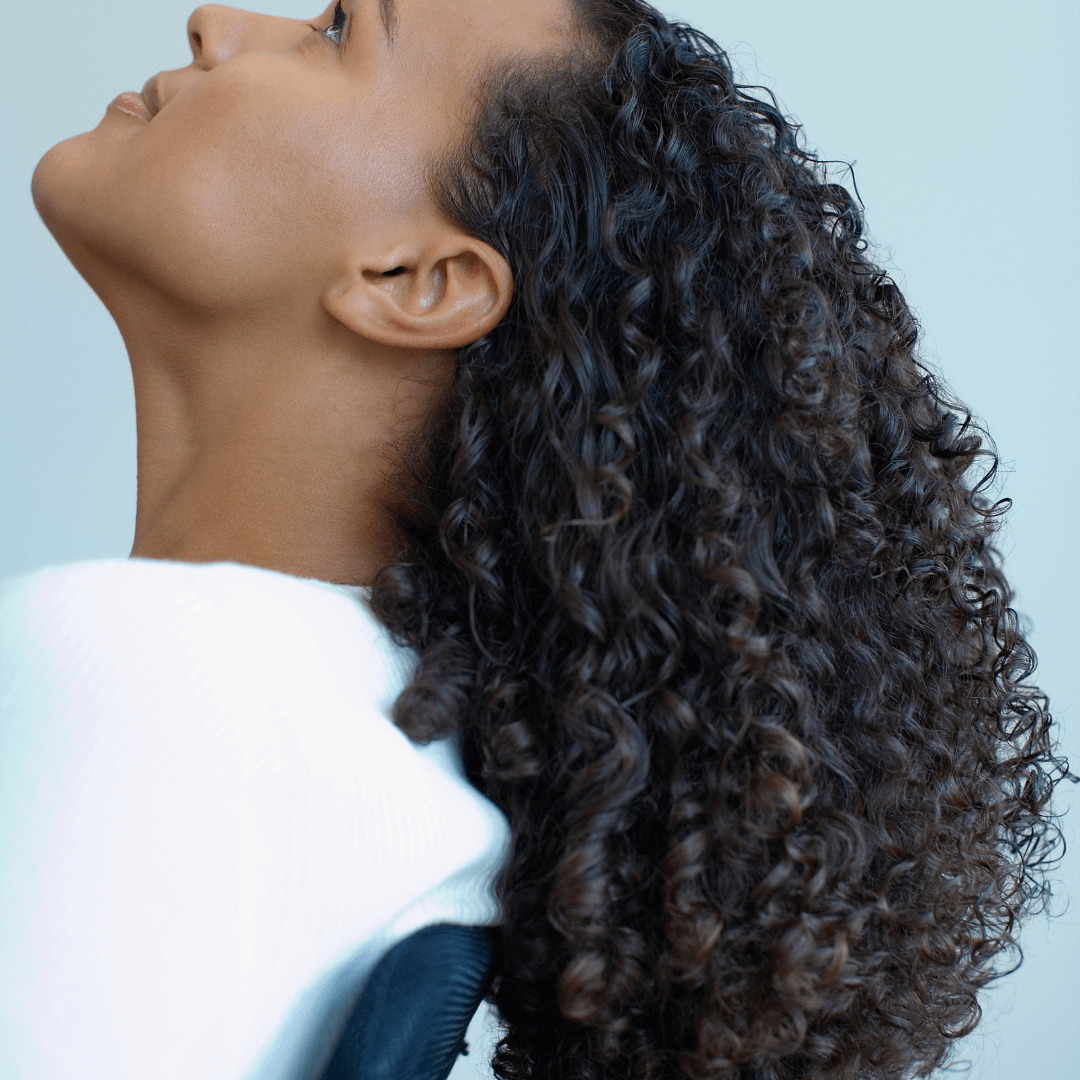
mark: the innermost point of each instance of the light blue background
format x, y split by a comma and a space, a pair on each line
963, 119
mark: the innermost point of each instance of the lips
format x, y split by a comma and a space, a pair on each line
131, 103
143, 106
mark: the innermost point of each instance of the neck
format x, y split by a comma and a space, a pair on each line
272, 443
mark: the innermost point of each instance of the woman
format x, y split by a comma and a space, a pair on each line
594, 383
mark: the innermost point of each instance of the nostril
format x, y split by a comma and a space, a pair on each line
394, 273
204, 34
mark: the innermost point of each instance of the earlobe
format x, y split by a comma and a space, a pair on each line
441, 295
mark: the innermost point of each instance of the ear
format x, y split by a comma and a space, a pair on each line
440, 291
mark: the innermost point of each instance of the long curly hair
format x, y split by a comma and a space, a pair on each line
705, 578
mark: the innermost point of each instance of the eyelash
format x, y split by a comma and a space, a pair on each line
333, 31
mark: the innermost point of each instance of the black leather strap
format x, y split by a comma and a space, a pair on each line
409, 1022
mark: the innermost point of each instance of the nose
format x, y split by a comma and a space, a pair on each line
217, 33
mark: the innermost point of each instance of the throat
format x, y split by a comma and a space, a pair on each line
315, 515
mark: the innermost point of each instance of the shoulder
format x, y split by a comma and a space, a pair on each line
153, 595
199, 775
103, 619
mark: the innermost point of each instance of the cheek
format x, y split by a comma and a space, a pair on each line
240, 194
238, 200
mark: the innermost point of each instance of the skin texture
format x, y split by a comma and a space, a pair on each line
242, 240
707, 582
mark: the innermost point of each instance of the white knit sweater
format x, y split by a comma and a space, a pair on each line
210, 829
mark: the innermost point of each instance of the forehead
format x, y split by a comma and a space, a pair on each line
413, 65
434, 50
475, 28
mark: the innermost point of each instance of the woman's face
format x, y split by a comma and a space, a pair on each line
279, 149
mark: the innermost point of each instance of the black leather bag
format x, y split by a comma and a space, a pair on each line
410, 1019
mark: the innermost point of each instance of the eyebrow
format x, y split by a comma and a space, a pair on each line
388, 14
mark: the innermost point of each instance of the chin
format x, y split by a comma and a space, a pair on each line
79, 185
43, 183
58, 187
55, 188
78, 201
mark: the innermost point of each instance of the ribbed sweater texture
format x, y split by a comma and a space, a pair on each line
210, 829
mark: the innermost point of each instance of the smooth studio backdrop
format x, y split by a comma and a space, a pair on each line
963, 121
